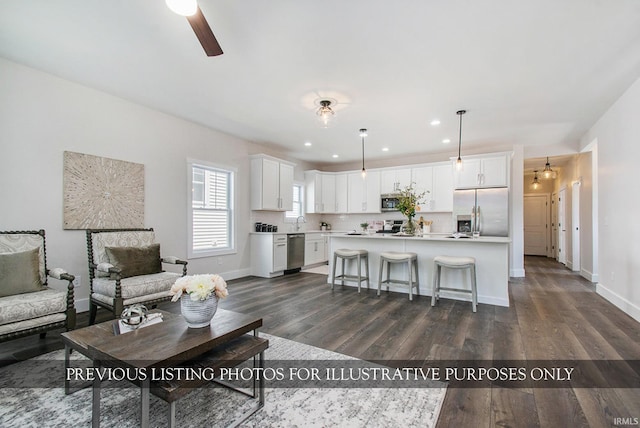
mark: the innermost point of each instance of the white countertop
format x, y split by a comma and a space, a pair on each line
427, 237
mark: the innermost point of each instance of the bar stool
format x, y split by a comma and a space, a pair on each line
451, 262
347, 254
389, 258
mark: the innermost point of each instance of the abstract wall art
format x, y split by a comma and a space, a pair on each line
102, 193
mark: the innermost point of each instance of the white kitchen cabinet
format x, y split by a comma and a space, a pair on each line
320, 188
342, 198
314, 249
364, 193
437, 182
394, 180
268, 254
271, 184
482, 171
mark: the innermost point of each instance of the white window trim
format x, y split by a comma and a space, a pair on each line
302, 203
234, 223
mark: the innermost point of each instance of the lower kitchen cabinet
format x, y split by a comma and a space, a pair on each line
314, 249
268, 254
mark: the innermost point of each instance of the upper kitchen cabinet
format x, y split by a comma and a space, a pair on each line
394, 180
482, 171
364, 193
320, 188
437, 182
271, 184
326, 192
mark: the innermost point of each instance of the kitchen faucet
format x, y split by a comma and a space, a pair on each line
298, 222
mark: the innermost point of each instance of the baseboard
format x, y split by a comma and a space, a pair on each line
569, 265
625, 305
588, 275
516, 273
81, 305
235, 274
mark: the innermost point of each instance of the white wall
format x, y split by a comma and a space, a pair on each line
617, 133
41, 116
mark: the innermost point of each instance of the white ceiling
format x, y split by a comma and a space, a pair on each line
531, 72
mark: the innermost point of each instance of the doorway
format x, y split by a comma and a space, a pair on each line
575, 226
562, 233
536, 225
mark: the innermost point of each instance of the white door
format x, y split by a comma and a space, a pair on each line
554, 226
562, 233
575, 226
536, 225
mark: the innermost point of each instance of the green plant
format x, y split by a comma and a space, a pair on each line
364, 225
408, 199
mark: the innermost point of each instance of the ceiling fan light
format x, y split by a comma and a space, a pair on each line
183, 7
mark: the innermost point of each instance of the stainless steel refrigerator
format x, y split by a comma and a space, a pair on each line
481, 210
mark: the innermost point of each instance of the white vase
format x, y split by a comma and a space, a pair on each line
198, 313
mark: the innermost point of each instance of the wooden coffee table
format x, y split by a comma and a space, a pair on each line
171, 344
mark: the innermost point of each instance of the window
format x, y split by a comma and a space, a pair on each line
211, 216
297, 211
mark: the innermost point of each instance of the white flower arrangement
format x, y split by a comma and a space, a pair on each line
199, 287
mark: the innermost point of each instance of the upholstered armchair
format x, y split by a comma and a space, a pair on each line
27, 305
125, 268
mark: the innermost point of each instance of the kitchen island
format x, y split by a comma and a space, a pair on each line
491, 254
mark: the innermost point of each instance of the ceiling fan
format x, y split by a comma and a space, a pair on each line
191, 10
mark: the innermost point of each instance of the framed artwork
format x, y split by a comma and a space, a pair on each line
102, 193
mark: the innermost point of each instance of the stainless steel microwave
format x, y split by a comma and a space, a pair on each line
389, 202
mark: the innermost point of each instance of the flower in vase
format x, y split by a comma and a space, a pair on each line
408, 200
199, 287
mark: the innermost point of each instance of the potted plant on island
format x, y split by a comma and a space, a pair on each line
408, 204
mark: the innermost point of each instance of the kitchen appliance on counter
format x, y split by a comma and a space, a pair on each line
263, 227
391, 226
389, 202
483, 211
295, 252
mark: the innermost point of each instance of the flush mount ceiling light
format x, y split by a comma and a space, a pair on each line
535, 183
459, 160
548, 172
435, 122
363, 133
325, 112
308, 144
446, 141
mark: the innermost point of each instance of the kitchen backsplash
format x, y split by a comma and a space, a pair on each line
442, 222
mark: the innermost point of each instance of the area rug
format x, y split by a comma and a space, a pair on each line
217, 406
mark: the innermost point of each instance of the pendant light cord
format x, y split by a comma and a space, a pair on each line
460, 113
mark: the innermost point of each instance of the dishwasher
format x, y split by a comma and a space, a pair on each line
295, 251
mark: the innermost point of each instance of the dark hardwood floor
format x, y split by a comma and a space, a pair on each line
554, 314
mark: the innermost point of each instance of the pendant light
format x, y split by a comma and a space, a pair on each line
459, 160
535, 184
548, 172
363, 133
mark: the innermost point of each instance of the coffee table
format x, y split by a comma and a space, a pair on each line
170, 344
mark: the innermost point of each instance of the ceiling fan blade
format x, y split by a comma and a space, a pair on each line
204, 34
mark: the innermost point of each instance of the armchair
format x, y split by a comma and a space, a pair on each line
27, 305
125, 268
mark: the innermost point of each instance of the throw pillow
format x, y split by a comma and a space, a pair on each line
134, 261
19, 272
